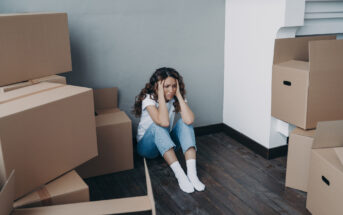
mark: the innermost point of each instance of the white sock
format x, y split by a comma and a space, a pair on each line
192, 175
184, 183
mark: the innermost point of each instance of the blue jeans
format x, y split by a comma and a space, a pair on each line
157, 140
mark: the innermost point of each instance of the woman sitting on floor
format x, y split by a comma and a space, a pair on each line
156, 106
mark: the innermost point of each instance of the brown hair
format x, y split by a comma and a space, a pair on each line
159, 74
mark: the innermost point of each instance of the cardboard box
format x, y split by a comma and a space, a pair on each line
33, 45
298, 158
112, 206
69, 188
50, 79
106, 100
115, 149
325, 186
306, 78
106, 111
46, 130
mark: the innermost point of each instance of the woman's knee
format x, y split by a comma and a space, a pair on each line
158, 128
184, 130
181, 123
148, 152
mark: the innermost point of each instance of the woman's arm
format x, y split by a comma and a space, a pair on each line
159, 115
186, 113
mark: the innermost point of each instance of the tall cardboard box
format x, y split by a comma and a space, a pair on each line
46, 130
325, 186
50, 79
114, 136
33, 45
306, 80
111, 206
106, 100
298, 158
68, 188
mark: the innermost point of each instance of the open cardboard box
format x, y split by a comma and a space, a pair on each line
46, 130
325, 185
112, 206
33, 45
306, 80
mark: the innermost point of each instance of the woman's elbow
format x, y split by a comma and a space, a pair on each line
164, 124
188, 122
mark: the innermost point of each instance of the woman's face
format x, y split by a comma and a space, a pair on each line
169, 88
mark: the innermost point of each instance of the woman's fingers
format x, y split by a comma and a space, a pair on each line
160, 85
177, 87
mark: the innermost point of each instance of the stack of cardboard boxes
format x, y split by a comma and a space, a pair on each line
114, 137
48, 128
306, 92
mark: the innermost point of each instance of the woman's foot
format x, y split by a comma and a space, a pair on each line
192, 175
184, 183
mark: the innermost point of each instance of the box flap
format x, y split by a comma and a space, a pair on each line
65, 184
7, 195
295, 65
295, 48
113, 206
339, 152
326, 55
302, 132
328, 134
329, 155
106, 98
111, 118
325, 90
150, 193
106, 111
68, 182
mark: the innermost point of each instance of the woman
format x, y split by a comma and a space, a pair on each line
156, 106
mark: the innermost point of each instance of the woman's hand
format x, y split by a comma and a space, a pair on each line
186, 113
160, 91
178, 93
159, 114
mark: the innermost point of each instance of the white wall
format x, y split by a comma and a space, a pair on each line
251, 28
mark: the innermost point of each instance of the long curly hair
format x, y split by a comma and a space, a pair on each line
151, 88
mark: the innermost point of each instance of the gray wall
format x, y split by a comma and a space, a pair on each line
121, 42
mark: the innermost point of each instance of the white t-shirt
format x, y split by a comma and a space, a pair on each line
146, 121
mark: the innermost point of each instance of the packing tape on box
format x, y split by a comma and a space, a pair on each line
29, 94
11, 87
52, 79
34, 81
44, 196
14, 86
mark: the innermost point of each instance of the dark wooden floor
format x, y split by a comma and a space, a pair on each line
237, 181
